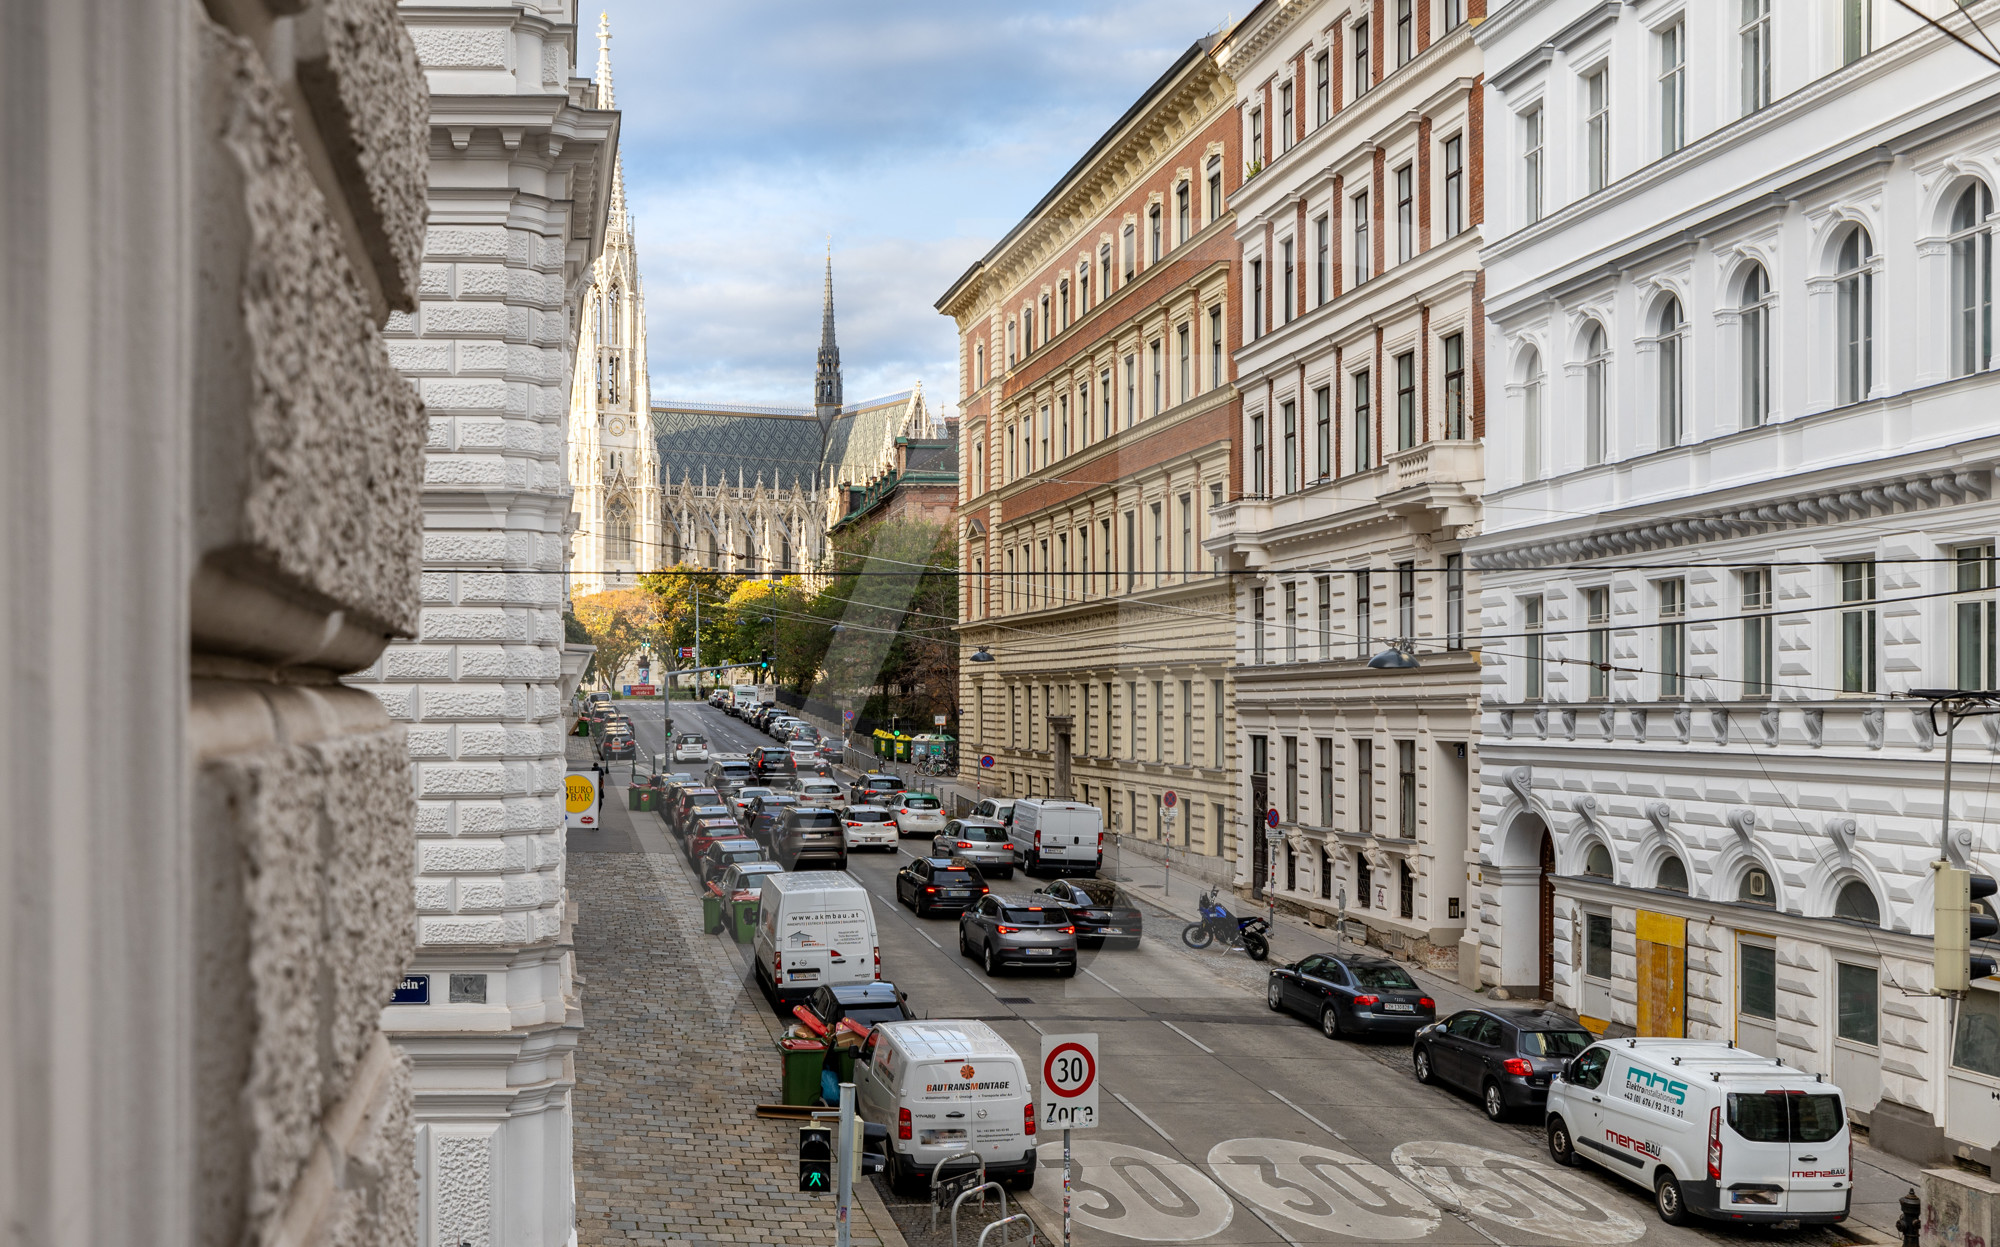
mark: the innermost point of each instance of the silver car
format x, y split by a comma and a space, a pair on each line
981, 841
823, 793
916, 813
1006, 931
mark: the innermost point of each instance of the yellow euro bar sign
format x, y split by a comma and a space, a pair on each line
580, 800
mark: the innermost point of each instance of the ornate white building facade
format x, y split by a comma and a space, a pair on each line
522, 164
613, 460
1739, 499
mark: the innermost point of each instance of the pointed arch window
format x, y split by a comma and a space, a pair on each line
618, 532
1596, 393
1672, 396
1971, 281
612, 317
1854, 315
1754, 327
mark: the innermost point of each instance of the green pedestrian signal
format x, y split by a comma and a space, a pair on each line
815, 1159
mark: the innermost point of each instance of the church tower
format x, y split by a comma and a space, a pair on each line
613, 459
826, 384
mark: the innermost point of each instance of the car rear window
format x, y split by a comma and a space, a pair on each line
1554, 1043
868, 816
987, 834
694, 740
1037, 917
922, 803
1785, 1116
816, 819
712, 811
1383, 978
1098, 891
955, 874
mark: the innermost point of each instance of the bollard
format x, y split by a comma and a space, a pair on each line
1912, 1219
1002, 1225
980, 1191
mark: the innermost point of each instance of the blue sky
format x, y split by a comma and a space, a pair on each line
916, 134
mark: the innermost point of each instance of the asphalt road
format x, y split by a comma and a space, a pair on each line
1229, 1124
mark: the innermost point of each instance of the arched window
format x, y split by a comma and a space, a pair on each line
1531, 415
1672, 384
1756, 888
618, 532
1854, 292
1596, 393
1971, 281
597, 312
611, 319
1673, 876
1856, 903
1754, 325
1597, 862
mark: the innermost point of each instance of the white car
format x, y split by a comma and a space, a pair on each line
823, 793
917, 814
869, 827
690, 747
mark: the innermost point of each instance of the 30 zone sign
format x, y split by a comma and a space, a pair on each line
1069, 1082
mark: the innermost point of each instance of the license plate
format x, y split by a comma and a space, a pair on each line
1111, 930
803, 976
941, 1136
1400, 1008
1038, 952
955, 892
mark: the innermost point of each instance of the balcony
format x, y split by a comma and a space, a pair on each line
1429, 487
1433, 486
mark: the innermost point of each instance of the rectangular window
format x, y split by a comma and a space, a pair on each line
1753, 44
1597, 128
1131, 389
1159, 721
1187, 535
1324, 811
1976, 1045
1286, 117
1257, 484
1104, 399
1182, 339
1406, 31
1323, 597
1131, 551
1159, 379
1256, 139
1256, 299
1406, 400
1406, 789
1856, 18
1291, 281
1455, 424
1454, 14
1531, 164
1673, 89
1159, 544
1322, 88
1857, 627
1215, 346
1291, 802
1364, 424
1214, 189
1364, 258
1757, 655
1183, 213
1597, 612
1260, 755
1454, 601
1187, 722
1406, 214
1406, 601
1673, 638
1323, 258
1289, 413
1131, 249
1972, 617
1154, 236
1454, 186
1214, 505
1104, 269
1597, 946
1257, 625
1364, 611
1855, 1009
1291, 621
1364, 786
1364, 70
1323, 432
1532, 642
1217, 751
1133, 745
1757, 996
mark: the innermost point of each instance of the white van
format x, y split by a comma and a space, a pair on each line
1063, 835
1001, 812
742, 697
1711, 1129
941, 1088
814, 927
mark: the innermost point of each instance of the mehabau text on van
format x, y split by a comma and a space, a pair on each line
1711, 1129
943, 1089
815, 927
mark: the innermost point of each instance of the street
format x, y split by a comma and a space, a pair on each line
1228, 1123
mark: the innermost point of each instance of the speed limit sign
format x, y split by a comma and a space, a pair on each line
1069, 1082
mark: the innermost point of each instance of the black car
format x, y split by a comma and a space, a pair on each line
1101, 910
1504, 1056
1352, 995
615, 744
863, 1003
934, 883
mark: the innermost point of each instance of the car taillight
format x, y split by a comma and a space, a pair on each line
878, 961
1010, 930
1361, 1001
1715, 1145
1069, 930
1425, 1002
1028, 1119
777, 965
930, 889
903, 1123
965, 844
1517, 1066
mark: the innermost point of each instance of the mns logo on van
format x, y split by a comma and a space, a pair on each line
1647, 1082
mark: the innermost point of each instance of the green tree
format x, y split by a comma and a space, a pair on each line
894, 590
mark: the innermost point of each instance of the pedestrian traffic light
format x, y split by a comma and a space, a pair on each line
764, 661
1962, 914
815, 1159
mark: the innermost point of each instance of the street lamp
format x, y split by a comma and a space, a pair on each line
1400, 656
980, 655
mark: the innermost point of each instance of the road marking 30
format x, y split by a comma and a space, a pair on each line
1133, 1193
1529, 1195
1332, 1191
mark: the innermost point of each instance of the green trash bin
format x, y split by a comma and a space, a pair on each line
843, 1062
746, 921
641, 798
802, 1061
711, 913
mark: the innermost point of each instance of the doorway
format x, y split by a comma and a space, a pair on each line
1545, 984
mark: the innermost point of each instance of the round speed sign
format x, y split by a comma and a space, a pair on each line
1069, 1082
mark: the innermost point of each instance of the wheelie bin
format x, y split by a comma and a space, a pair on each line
745, 921
802, 1060
711, 913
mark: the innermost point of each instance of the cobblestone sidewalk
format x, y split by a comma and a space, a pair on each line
673, 1060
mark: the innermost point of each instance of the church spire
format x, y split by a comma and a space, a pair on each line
604, 61
826, 387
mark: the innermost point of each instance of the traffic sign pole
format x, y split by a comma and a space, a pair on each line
1065, 1186
844, 1158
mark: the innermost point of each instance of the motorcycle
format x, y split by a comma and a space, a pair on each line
1252, 935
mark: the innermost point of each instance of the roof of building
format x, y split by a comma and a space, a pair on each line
722, 443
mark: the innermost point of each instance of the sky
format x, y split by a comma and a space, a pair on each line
915, 134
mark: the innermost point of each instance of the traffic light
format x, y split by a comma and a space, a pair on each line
815, 1159
764, 661
1962, 915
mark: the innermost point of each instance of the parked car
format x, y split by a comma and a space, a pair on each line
1351, 995
727, 773
689, 747
930, 1120
1000, 811
865, 1004
868, 827
708, 831
977, 840
1006, 931
747, 876
744, 797
686, 797
614, 744
1506, 1057
823, 793
1057, 835
716, 699
802, 838
917, 814
874, 787
814, 928
1102, 910
933, 883
713, 810
722, 854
